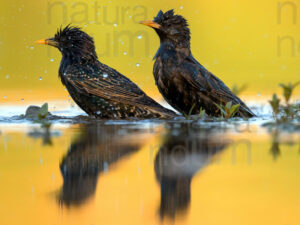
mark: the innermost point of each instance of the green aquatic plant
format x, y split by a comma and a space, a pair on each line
190, 116
43, 112
42, 116
288, 90
202, 113
191, 109
42, 119
228, 111
285, 113
237, 90
288, 111
275, 104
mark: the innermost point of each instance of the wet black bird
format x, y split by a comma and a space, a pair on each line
96, 88
181, 79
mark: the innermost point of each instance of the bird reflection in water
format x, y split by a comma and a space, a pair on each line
185, 151
97, 147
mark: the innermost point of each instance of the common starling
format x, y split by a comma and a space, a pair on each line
184, 83
96, 88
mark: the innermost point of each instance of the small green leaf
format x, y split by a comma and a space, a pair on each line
288, 90
202, 113
228, 105
43, 111
192, 108
234, 109
221, 108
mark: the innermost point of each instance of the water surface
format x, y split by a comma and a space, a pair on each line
148, 172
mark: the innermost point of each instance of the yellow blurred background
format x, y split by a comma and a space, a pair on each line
243, 42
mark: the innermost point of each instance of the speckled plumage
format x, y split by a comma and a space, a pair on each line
185, 84
95, 87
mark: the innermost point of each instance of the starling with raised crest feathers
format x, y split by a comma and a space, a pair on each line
184, 83
98, 89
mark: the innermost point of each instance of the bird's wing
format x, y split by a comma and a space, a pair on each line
109, 84
206, 82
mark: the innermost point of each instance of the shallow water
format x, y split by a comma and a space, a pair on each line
147, 172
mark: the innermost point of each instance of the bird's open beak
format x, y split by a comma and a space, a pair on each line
49, 41
150, 23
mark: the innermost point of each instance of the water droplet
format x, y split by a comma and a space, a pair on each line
7, 76
137, 65
258, 94
181, 7
31, 47
4, 97
40, 78
51, 60
105, 75
140, 37
98, 113
124, 53
115, 25
22, 99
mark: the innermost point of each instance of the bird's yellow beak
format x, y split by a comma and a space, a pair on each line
150, 23
47, 42
42, 41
